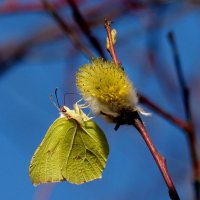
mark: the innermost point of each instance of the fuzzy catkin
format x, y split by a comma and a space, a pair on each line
106, 88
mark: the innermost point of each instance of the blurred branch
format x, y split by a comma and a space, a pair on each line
15, 51
184, 89
186, 100
138, 124
136, 5
13, 6
174, 120
82, 23
66, 29
44, 192
5, 64
10, 54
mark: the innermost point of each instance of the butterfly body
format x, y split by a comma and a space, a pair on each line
76, 114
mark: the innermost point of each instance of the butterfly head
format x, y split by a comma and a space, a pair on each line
65, 112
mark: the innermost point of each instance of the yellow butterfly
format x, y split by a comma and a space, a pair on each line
74, 149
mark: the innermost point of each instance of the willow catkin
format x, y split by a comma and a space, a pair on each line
107, 89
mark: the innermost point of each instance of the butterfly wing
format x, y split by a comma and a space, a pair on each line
47, 160
70, 151
88, 155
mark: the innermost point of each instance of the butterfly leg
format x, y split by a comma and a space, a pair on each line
88, 119
79, 101
78, 108
85, 105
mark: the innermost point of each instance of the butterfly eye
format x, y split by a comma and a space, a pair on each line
63, 110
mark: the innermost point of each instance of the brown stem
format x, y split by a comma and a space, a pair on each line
111, 46
66, 29
186, 100
187, 128
159, 159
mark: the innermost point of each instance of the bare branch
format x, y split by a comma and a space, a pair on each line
186, 100
111, 46
174, 120
85, 28
159, 159
184, 89
15, 51
66, 29
13, 7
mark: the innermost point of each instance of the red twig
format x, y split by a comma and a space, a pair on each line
159, 159
176, 121
190, 132
136, 121
13, 7
111, 47
80, 20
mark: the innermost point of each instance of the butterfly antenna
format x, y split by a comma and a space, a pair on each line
51, 98
56, 94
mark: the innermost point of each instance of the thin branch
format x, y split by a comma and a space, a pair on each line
13, 7
85, 28
191, 140
66, 29
17, 57
10, 55
159, 159
184, 89
174, 120
10, 7
186, 100
136, 121
111, 46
